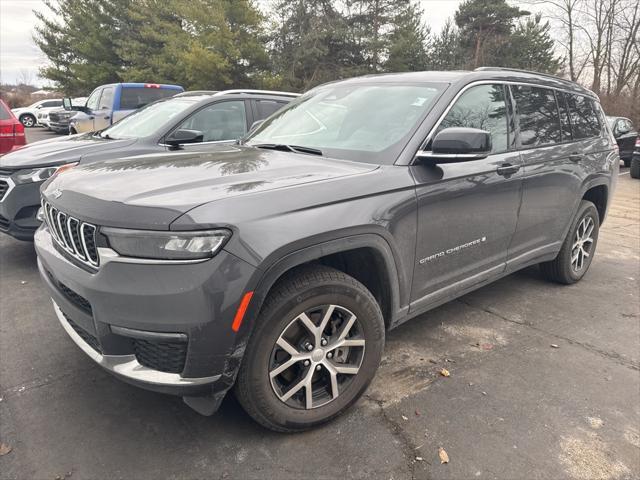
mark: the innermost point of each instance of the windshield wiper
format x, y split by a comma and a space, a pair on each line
289, 148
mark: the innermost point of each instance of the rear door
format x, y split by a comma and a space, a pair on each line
102, 115
552, 126
467, 211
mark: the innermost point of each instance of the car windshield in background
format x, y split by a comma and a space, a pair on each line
148, 120
362, 122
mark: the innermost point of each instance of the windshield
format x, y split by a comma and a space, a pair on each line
363, 122
147, 120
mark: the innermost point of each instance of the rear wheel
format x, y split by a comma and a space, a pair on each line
578, 249
635, 168
317, 345
28, 120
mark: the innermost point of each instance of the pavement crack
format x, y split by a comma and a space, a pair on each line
408, 448
617, 358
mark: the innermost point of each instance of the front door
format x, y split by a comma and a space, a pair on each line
467, 211
103, 114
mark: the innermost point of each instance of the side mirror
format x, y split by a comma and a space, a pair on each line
182, 136
458, 144
66, 103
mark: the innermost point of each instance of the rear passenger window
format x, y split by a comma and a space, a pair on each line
584, 119
132, 98
538, 117
481, 107
266, 107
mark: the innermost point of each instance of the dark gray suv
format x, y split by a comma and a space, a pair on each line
275, 266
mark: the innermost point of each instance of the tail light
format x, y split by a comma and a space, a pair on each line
638, 142
6, 131
18, 129
151, 85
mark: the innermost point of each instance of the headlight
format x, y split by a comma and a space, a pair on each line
40, 174
166, 245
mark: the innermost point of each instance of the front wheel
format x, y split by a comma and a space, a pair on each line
578, 249
316, 347
28, 120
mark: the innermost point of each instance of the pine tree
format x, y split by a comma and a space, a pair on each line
407, 49
484, 26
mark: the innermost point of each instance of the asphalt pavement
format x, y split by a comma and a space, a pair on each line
544, 383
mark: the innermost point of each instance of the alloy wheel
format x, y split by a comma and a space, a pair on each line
28, 121
316, 357
582, 244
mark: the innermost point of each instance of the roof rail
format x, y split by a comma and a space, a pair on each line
517, 70
259, 92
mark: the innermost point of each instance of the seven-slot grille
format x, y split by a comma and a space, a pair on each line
77, 238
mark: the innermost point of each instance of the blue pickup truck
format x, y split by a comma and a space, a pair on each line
109, 103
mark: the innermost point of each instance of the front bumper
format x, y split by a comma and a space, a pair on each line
130, 317
19, 208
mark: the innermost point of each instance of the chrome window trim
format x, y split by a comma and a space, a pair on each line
500, 82
127, 365
11, 184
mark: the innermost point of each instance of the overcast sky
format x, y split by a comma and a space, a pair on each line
20, 58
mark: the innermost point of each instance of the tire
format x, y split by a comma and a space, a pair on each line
634, 171
627, 162
562, 269
313, 291
28, 120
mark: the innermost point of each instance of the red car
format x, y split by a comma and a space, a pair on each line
11, 130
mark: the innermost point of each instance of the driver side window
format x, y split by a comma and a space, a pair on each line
92, 102
482, 107
219, 122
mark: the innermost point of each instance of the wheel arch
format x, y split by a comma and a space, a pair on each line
354, 255
597, 192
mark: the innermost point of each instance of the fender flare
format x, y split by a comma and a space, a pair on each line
278, 263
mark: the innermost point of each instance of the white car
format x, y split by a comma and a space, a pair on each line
29, 115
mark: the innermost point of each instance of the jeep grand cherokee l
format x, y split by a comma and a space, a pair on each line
183, 122
275, 266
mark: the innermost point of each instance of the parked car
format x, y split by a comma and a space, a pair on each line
626, 136
11, 133
109, 103
635, 160
29, 115
59, 119
277, 264
189, 123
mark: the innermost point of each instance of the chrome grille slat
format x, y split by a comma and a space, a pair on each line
77, 238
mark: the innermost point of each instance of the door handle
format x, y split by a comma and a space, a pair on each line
575, 157
507, 169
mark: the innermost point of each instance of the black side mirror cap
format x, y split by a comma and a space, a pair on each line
458, 144
182, 136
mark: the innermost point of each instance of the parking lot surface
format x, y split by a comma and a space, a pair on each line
544, 383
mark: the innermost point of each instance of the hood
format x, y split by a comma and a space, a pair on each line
151, 191
59, 150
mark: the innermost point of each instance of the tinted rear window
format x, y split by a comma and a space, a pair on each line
267, 107
584, 119
537, 112
4, 113
132, 98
